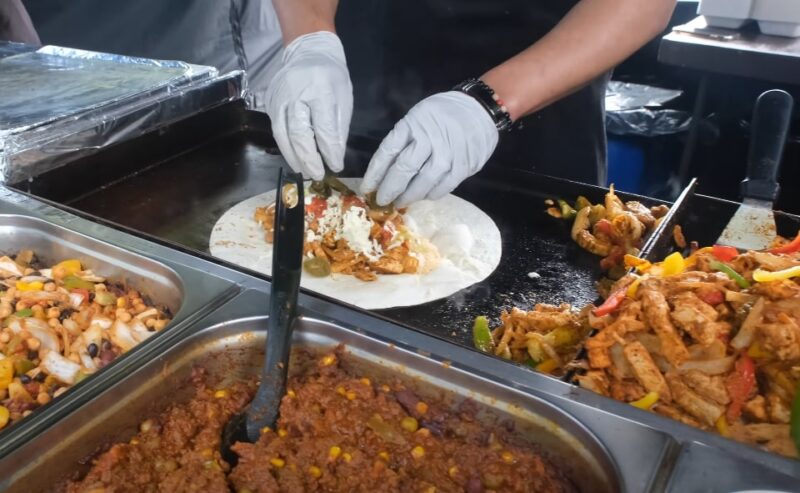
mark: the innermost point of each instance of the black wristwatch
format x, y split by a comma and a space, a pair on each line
486, 96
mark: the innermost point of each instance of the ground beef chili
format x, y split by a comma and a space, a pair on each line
338, 432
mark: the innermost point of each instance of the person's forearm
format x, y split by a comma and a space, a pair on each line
299, 17
595, 36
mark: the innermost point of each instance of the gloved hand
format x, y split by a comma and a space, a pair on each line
443, 140
310, 103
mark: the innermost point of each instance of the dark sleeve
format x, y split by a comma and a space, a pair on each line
15, 23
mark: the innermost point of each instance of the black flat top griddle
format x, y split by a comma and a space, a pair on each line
174, 184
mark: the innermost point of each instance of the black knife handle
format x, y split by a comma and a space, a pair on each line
287, 261
772, 117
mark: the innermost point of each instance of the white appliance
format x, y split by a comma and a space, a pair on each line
729, 14
778, 17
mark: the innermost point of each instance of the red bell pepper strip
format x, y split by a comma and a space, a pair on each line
724, 253
82, 292
612, 303
740, 384
791, 247
713, 297
604, 226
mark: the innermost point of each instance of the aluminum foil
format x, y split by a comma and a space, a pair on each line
60, 104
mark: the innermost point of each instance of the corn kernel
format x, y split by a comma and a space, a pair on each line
385, 388
328, 360
366, 381
340, 390
315, 471
334, 452
421, 407
277, 462
453, 471
291, 393
207, 453
347, 457
221, 394
507, 457
265, 429
409, 424
418, 452
146, 426
351, 396
282, 433
122, 302
134, 441
431, 489
384, 455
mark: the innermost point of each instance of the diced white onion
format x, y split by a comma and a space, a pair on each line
60, 367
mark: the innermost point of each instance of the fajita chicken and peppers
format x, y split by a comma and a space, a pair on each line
711, 339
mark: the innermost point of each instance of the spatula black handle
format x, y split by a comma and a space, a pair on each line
772, 117
287, 259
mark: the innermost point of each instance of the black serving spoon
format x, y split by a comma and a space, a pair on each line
287, 256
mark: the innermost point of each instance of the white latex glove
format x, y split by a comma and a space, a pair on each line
443, 140
310, 103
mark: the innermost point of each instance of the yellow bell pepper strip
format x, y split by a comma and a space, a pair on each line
547, 366
4, 416
71, 266
728, 271
755, 351
640, 264
673, 264
481, 335
761, 275
634, 287
646, 402
722, 426
791, 247
6, 373
724, 253
29, 286
612, 302
794, 419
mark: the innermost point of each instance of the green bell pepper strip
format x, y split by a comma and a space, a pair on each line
481, 335
74, 282
567, 212
728, 271
24, 313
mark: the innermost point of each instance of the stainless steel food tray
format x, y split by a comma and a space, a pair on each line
188, 293
229, 343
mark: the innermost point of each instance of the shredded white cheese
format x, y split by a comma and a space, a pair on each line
354, 226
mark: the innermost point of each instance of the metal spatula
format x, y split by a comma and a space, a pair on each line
287, 257
753, 225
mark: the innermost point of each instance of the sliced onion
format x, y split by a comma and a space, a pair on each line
48, 273
139, 330
121, 335
76, 299
152, 312
93, 335
34, 279
719, 366
715, 350
87, 361
747, 332
15, 325
9, 268
60, 367
90, 276
102, 322
620, 362
40, 330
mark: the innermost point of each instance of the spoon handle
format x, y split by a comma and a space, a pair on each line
287, 257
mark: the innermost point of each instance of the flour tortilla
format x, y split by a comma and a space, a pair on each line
467, 239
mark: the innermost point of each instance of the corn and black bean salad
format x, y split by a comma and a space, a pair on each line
60, 325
